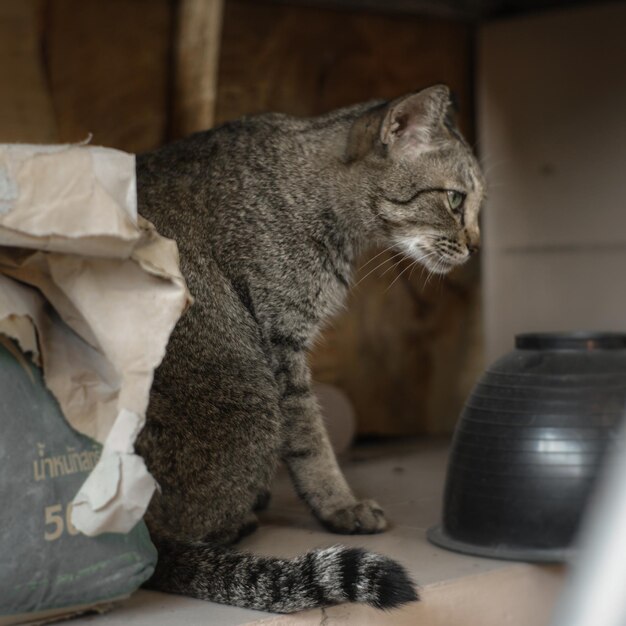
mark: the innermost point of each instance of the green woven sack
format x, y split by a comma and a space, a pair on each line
44, 562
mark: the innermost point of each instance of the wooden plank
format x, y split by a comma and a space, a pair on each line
406, 354
458, 9
197, 50
108, 70
26, 112
306, 61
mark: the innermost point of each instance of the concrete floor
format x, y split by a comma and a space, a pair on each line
407, 480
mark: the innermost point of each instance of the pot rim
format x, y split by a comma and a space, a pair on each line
579, 340
438, 536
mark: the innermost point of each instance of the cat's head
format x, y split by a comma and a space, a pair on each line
429, 187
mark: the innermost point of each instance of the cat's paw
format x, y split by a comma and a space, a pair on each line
361, 518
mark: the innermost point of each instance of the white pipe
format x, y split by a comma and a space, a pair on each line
595, 594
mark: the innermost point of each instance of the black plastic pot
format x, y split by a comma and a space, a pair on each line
529, 446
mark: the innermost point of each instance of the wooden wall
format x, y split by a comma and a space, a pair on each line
307, 61
136, 73
75, 67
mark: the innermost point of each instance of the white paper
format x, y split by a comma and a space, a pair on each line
93, 292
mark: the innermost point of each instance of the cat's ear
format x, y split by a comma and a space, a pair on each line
413, 124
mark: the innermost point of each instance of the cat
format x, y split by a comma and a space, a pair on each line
269, 213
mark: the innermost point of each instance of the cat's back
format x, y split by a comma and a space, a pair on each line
221, 148
184, 182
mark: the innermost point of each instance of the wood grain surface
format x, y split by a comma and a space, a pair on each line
197, 53
26, 111
107, 66
307, 61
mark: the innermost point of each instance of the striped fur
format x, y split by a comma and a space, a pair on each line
318, 578
269, 214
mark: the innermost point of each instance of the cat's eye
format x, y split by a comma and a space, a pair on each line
456, 200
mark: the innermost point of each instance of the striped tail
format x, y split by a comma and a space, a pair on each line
320, 578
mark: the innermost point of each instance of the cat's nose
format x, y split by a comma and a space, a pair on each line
472, 247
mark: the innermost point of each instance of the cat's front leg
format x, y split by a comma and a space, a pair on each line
311, 460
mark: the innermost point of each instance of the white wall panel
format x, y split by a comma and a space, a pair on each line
552, 137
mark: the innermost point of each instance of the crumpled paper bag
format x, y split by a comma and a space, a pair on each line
93, 292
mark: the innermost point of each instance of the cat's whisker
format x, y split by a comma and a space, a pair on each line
432, 272
425, 256
387, 249
422, 272
398, 276
373, 258
488, 164
428, 276
394, 266
373, 270
420, 261
442, 276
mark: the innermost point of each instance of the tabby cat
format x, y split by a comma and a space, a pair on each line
269, 213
